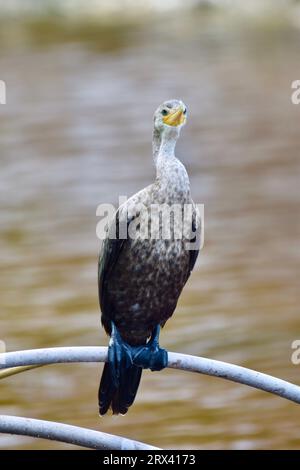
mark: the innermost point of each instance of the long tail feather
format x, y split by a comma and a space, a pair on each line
118, 397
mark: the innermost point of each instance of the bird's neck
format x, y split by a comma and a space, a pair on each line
163, 151
167, 145
170, 172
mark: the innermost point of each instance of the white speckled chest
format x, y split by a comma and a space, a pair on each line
146, 283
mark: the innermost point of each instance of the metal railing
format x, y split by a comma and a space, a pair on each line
20, 361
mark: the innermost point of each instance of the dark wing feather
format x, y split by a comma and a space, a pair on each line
196, 229
108, 256
110, 252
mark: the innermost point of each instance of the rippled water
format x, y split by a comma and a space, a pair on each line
76, 131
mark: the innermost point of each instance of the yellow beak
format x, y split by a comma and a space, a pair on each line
175, 118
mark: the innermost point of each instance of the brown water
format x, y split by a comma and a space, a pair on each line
76, 131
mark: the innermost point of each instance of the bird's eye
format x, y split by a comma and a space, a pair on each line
164, 112
184, 112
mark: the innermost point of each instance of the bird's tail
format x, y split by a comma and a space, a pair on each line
119, 397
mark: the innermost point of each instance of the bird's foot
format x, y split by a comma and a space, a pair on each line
121, 355
151, 355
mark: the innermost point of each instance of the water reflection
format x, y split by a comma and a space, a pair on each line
76, 132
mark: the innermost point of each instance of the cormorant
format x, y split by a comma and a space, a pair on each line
140, 279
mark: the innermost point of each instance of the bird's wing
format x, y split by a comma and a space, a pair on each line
110, 251
195, 239
112, 247
108, 256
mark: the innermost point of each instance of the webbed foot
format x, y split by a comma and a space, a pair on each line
151, 355
121, 355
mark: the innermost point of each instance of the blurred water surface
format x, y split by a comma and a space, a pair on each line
76, 132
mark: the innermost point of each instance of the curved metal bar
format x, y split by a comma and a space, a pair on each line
66, 433
185, 362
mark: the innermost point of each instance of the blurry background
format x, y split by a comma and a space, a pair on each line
83, 80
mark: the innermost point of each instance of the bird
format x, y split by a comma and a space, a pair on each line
141, 278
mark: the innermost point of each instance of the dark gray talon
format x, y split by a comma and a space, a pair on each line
121, 355
150, 356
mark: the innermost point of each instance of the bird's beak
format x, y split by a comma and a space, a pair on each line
175, 117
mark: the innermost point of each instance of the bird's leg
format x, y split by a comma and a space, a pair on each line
119, 355
151, 355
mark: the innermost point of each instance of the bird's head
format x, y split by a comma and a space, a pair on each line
170, 116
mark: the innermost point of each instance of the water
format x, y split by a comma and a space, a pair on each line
76, 132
